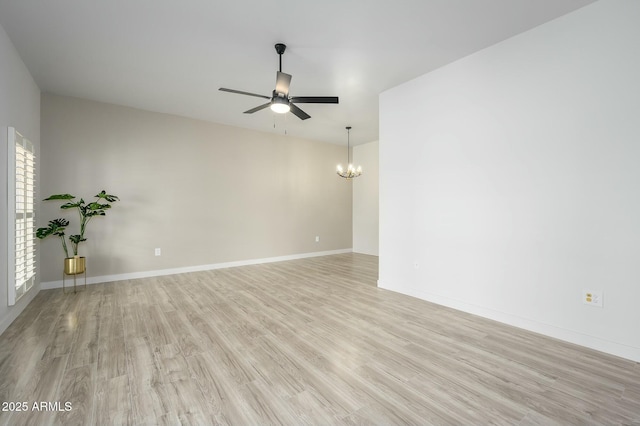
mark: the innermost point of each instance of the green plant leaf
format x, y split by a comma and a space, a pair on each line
59, 222
56, 227
60, 197
109, 197
71, 205
43, 232
76, 239
97, 206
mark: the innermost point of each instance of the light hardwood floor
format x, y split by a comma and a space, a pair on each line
309, 341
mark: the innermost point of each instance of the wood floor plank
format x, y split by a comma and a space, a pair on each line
78, 389
18, 367
158, 329
188, 337
222, 394
310, 341
111, 358
268, 409
111, 325
190, 404
172, 363
112, 402
42, 386
85, 345
133, 320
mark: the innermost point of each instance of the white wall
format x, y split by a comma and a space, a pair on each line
511, 178
19, 108
365, 199
205, 193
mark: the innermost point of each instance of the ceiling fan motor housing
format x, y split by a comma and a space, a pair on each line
279, 99
280, 48
279, 95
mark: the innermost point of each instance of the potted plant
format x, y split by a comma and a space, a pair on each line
76, 264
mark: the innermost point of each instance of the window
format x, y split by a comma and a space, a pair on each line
21, 191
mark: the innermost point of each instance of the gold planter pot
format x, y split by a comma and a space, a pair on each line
74, 266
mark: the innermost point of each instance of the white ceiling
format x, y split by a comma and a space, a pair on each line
172, 56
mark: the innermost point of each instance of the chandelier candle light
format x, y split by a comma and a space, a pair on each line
351, 171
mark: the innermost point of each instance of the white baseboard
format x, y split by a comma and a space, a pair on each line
147, 274
614, 348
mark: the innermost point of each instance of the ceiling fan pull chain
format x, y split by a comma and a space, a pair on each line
285, 123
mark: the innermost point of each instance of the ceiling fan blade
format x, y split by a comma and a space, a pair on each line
282, 82
258, 108
315, 99
298, 112
243, 93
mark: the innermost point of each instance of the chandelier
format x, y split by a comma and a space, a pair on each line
351, 171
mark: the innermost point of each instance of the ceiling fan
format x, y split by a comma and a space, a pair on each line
280, 101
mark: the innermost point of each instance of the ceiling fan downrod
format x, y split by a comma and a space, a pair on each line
280, 48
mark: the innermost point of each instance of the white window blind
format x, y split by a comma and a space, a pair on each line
22, 249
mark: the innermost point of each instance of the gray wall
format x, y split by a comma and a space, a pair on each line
365, 199
509, 180
19, 108
204, 193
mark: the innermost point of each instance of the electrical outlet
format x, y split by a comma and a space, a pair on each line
158, 252
592, 297
317, 239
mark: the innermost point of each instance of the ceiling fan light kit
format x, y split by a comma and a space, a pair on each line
280, 102
280, 105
